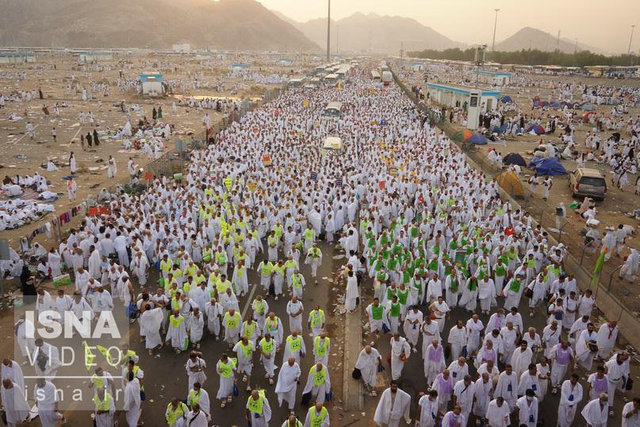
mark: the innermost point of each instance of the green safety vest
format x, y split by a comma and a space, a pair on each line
267, 346
176, 321
231, 322
103, 405
272, 325
402, 296
246, 349
249, 329
255, 406
295, 344
226, 369
314, 253
500, 270
266, 269
317, 317
395, 309
321, 345
259, 307
315, 419
514, 286
172, 415
296, 281
318, 377
377, 312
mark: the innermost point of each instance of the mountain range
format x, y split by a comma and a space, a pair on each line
532, 38
224, 24
373, 33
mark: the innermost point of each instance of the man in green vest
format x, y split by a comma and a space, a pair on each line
314, 258
316, 320
105, 408
176, 413
318, 382
258, 409
321, 348
317, 416
292, 421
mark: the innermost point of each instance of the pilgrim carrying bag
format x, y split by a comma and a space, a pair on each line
356, 374
528, 292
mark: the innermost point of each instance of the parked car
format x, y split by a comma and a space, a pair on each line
586, 182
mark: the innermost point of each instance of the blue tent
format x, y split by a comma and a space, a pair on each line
506, 99
547, 166
499, 129
514, 159
588, 107
478, 139
554, 105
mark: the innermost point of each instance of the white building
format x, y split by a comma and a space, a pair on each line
152, 83
459, 96
182, 48
94, 56
17, 57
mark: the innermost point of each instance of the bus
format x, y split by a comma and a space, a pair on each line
331, 79
387, 77
333, 109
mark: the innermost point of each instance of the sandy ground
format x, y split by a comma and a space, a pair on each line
53, 75
611, 212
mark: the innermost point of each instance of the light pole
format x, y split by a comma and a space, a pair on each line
329, 31
495, 25
630, 40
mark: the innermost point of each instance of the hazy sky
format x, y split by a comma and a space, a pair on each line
605, 24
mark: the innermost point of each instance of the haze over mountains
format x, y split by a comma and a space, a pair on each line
225, 24
537, 39
374, 34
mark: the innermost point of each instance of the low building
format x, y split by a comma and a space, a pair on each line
494, 78
94, 56
152, 83
182, 48
459, 96
17, 57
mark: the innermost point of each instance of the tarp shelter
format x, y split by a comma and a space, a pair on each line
547, 166
465, 134
588, 107
537, 129
476, 138
586, 115
332, 143
510, 183
514, 159
506, 99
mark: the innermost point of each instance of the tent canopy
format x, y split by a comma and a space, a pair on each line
514, 159
547, 166
506, 99
510, 183
332, 143
476, 138
588, 107
537, 129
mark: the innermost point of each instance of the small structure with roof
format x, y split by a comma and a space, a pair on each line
152, 83
17, 57
460, 96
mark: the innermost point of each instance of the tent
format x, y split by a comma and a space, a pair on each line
586, 115
514, 159
332, 143
547, 166
567, 104
510, 183
588, 107
506, 99
463, 135
476, 138
537, 129
538, 103
554, 105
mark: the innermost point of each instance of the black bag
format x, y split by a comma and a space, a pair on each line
306, 399
628, 385
528, 292
272, 289
356, 374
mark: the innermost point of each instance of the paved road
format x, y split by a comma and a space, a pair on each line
413, 381
165, 376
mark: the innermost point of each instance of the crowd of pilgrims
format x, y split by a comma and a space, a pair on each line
422, 231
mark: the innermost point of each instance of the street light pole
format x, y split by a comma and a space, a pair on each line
630, 40
495, 25
329, 31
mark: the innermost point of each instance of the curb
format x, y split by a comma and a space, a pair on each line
352, 397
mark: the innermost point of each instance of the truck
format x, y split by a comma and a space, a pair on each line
387, 77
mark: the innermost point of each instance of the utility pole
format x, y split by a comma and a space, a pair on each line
558, 42
328, 30
630, 40
495, 25
401, 50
